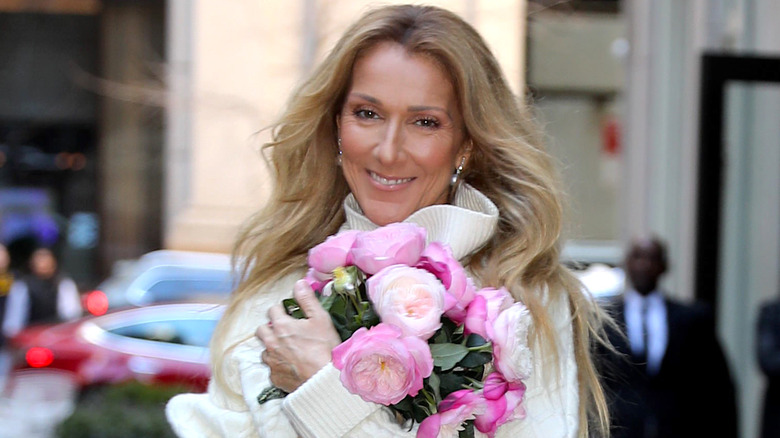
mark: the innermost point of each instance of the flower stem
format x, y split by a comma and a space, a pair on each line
476, 383
430, 399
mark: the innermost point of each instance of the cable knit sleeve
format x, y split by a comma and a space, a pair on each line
551, 400
215, 413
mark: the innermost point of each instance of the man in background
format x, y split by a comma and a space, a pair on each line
670, 378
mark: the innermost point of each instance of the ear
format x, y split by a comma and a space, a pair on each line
464, 154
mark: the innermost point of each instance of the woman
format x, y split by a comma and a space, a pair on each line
6, 280
409, 118
43, 295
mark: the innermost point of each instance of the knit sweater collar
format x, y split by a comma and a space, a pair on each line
465, 225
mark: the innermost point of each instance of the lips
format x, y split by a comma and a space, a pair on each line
388, 181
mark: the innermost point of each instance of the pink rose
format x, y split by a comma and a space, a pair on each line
438, 259
484, 309
394, 244
509, 333
503, 403
409, 298
313, 278
456, 408
382, 366
333, 253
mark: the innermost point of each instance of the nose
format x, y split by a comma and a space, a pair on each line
389, 149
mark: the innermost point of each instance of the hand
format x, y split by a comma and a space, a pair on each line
295, 349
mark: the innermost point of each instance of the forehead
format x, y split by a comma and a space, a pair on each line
42, 253
390, 69
647, 249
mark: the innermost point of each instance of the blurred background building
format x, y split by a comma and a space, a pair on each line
127, 127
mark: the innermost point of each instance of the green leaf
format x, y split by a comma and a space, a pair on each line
339, 305
445, 356
468, 430
341, 326
475, 359
448, 327
440, 337
370, 318
450, 383
327, 302
434, 383
475, 340
419, 413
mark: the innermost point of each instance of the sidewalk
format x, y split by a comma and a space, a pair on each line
34, 402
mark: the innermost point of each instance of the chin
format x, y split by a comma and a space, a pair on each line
380, 217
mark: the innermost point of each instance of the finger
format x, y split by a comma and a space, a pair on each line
308, 301
265, 333
277, 314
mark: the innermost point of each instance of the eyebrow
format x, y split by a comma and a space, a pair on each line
415, 108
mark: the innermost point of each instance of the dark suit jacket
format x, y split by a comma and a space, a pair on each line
691, 395
769, 359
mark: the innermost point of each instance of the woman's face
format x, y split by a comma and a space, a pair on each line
43, 264
5, 259
401, 133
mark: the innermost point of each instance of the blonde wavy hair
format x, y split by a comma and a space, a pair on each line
508, 164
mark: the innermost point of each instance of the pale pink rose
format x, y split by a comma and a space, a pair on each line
313, 278
409, 298
503, 403
394, 244
453, 411
438, 259
484, 309
333, 253
509, 333
381, 365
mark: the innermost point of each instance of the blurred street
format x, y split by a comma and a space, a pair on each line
34, 403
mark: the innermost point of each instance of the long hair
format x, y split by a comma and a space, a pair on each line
508, 164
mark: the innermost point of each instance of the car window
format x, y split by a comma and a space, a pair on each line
178, 289
195, 332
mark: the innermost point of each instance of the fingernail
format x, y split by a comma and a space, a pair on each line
300, 285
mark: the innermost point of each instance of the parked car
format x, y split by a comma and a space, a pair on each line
165, 276
597, 265
156, 344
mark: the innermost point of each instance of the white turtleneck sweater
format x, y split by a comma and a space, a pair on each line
322, 407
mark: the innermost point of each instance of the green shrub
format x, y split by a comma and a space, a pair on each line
128, 410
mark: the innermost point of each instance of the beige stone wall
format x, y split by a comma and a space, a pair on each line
232, 66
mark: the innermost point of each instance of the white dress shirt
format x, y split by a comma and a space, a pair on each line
657, 327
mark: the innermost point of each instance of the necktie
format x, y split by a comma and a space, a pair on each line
645, 333
645, 328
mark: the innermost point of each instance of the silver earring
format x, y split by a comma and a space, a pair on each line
458, 171
338, 157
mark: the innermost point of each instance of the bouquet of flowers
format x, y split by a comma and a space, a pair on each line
417, 336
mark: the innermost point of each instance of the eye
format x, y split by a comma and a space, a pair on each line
364, 113
427, 122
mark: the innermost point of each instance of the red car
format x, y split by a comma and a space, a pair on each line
165, 344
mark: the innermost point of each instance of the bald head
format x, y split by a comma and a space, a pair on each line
645, 263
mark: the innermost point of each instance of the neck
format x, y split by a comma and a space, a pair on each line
645, 291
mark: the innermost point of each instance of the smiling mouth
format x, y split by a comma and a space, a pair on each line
388, 182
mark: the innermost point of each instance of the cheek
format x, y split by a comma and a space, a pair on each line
439, 165
351, 170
